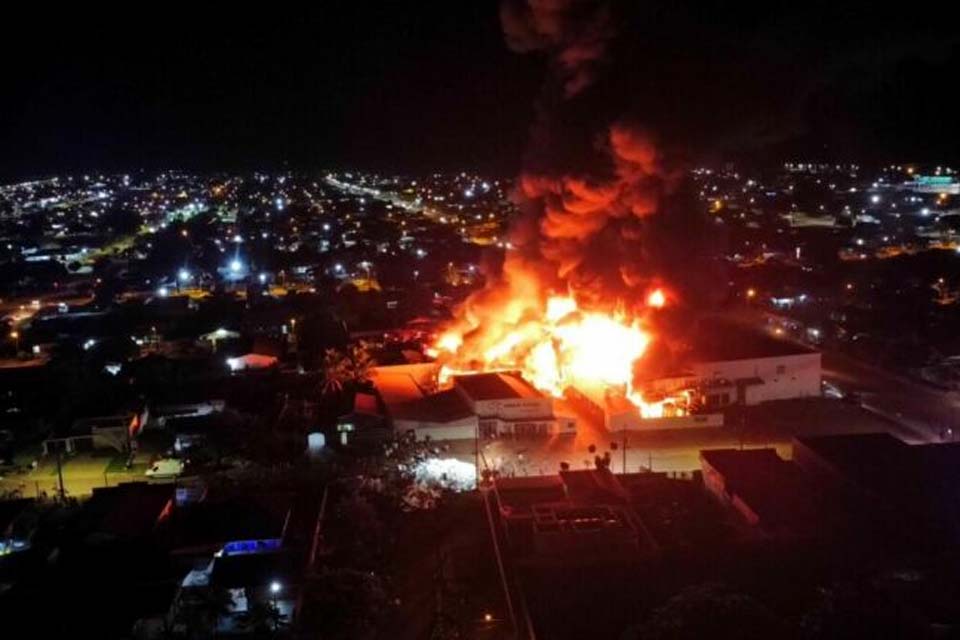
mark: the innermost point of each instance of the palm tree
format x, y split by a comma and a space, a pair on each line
263, 617
350, 367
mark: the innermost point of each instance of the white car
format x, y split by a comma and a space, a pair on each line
165, 468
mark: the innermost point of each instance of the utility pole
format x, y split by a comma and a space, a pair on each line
60, 475
476, 454
624, 447
743, 424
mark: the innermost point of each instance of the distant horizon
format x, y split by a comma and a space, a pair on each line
866, 165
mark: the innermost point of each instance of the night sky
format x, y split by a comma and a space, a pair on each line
410, 86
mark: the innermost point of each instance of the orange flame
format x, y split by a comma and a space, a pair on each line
559, 347
657, 299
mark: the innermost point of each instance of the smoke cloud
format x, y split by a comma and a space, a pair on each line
574, 33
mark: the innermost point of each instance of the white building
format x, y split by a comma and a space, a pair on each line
727, 365
480, 405
737, 366
441, 416
506, 404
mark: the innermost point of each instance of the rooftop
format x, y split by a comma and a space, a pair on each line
864, 456
442, 407
400, 383
771, 487
213, 522
127, 510
496, 386
722, 341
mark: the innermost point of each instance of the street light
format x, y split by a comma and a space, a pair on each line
274, 590
15, 336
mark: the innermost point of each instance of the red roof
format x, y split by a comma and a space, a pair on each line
365, 403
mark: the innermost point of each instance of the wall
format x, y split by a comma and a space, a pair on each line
799, 377
631, 421
515, 408
716, 484
553, 425
463, 429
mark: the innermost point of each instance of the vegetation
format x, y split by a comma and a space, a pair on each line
346, 369
709, 611
343, 603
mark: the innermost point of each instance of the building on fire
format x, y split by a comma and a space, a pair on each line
726, 365
485, 404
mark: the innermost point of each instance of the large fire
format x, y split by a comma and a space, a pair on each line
562, 346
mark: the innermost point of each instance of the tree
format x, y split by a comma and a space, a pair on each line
342, 604
201, 609
347, 368
365, 535
851, 611
263, 618
709, 611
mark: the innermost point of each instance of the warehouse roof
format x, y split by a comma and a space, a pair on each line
496, 386
721, 342
446, 406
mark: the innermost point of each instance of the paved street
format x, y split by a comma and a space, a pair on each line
922, 411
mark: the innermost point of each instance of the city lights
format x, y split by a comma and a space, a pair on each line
531, 318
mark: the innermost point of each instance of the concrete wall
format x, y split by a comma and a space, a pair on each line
464, 429
555, 425
514, 408
716, 484
792, 376
631, 421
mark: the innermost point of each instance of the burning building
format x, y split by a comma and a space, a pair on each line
573, 306
609, 256
486, 405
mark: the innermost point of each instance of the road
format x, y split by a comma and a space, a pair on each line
923, 412
917, 412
